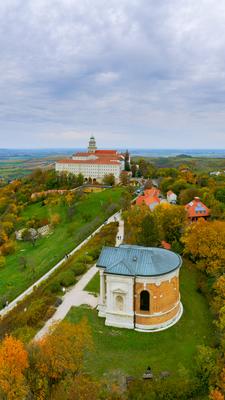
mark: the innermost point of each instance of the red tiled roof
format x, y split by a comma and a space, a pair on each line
106, 152
147, 200
196, 209
152, 192
90, 161
165, 245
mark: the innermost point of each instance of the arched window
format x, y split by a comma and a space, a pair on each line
119, 303
144, 300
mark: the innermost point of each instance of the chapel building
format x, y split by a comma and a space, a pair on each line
93, 164
139, 287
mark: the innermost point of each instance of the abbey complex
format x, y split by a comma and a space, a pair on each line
94, 164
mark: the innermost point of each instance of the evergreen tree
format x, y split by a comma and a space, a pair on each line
127, 161
149, 234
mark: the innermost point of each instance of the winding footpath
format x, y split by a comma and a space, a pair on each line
28, 291
77, 296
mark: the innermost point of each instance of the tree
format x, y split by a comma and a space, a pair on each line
3, 237
61, 353
125, 200
133, 169
8, 248
55, 219
127, 161
205, 242
216, 395
133, 219
149, 234
187, 195
81, 387
13, 363
29, 235
109, 179
124, 178
171, 221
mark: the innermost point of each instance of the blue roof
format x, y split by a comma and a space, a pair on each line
138, 260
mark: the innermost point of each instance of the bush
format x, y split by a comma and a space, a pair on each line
34, 313
2, 262
54, 287
95, 252
79, 269
24, 333
85, 259
67, 278
8, 248
55, 219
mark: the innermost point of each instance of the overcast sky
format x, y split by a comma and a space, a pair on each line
135, 73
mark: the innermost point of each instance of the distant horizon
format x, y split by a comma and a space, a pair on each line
116, 147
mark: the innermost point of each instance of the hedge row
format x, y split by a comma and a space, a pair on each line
31, 314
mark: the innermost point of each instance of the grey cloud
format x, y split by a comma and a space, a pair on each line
131, 70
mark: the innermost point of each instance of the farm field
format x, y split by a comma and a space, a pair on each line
131, 352
64, 237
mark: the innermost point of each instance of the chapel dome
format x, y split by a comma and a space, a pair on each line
132, 260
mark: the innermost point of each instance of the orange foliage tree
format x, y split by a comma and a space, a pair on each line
58, 356
216, 395
13, 363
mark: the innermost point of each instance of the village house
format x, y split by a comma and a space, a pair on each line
171, 197
196, 209
151, 198
139, 287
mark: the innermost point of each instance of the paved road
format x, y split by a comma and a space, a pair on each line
77, 295
74, 297
14, 303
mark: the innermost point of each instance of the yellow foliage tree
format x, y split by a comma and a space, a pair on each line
205, 241
13, 363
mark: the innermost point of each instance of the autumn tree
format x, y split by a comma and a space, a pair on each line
13, 364
124, 178
55, 219
109, 179
59, 355
80, 387
216, 394
133, 219
205, 242
171, 221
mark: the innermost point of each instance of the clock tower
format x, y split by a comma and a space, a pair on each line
92, 145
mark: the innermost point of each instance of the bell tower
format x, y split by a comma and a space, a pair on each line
92, 145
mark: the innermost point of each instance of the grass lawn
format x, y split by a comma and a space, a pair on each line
49, 250
94, 285
131, 352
